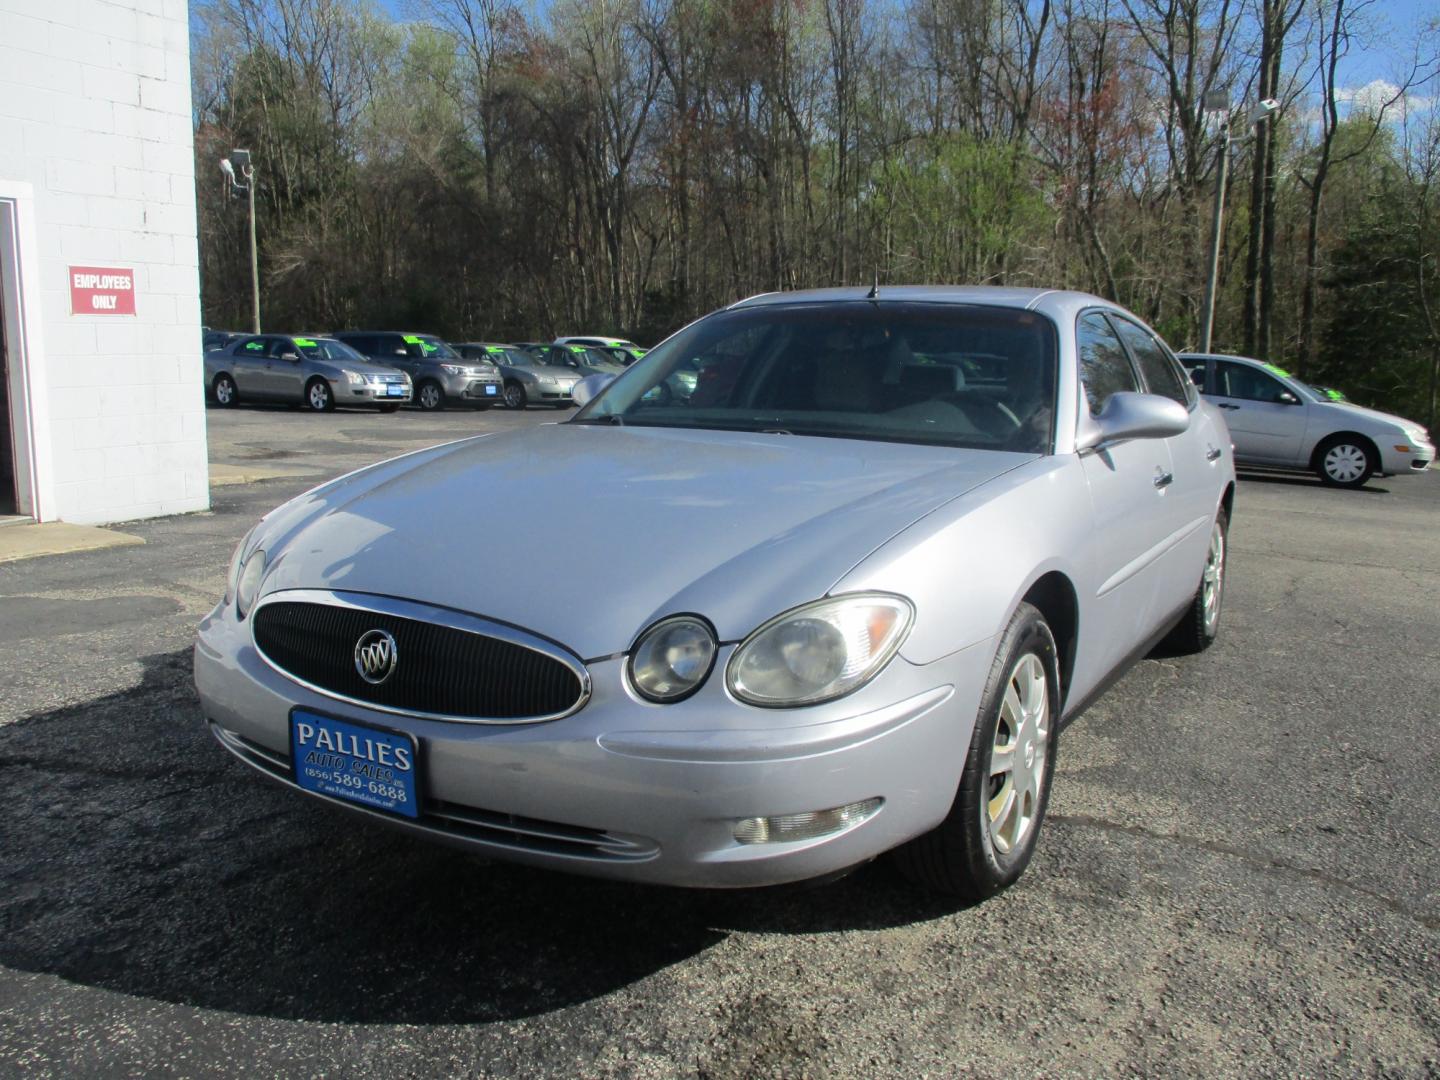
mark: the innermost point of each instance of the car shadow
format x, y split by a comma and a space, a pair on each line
140, 858
1302, 480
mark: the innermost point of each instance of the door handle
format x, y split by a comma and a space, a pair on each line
1163, 479
1213, 454
1226, 405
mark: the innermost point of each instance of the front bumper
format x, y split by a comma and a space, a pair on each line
1418, 457
471, 389
630, 790
370, 394
551, 391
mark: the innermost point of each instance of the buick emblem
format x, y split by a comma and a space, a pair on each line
376, 655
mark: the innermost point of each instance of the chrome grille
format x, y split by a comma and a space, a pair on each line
451, 665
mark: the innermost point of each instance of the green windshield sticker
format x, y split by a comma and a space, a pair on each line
577, 348
493, 348
1334, 395
1276, 369
305, 342
255, 346
411, 339
427, 348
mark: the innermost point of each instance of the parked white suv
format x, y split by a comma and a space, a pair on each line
1278, 421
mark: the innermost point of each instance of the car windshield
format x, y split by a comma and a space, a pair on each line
518, 357
327, 349
942, 374
428, 347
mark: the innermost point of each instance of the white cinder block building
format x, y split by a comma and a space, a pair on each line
102, 409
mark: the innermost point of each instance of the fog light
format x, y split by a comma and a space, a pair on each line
784, 828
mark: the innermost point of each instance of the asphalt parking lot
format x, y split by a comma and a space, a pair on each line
1240, 872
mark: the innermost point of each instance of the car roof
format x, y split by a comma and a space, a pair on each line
1220, 356
991, 295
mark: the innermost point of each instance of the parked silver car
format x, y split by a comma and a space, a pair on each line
529, 379
1277, 420
318, 372
440, 375
852, 589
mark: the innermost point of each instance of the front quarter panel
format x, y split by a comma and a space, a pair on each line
967, 566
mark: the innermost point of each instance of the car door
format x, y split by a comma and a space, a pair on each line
1195, 456
284, 371
248, 368
1129, 493
1267, 421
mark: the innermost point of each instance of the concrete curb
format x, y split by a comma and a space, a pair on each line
58, 538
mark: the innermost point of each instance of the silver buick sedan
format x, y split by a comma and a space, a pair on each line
856, 584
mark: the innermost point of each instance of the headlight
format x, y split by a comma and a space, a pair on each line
232, 576
355, 378
819, 651
248, 587
452, 369
672, 658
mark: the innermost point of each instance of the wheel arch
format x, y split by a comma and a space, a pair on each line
1227, 501
1053, 595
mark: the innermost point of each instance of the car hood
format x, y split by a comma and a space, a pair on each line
1373, 417
360, 367
737, 527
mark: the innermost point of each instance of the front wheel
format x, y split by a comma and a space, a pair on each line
1344, 462
514, 396
430, 397
1201, 625
319, 397
986, 841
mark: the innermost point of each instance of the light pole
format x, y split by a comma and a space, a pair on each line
1218, 101
239, 160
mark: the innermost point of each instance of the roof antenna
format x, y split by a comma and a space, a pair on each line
874, 293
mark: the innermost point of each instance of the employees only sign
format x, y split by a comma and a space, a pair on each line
102, 290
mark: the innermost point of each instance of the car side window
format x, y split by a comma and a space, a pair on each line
1161, 374
278, 347
1104, 367
1244, 382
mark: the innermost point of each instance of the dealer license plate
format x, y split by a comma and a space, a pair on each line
395, 390
354, 762
492, 389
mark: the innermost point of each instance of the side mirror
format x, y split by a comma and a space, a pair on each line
289, 355
588, 388
1287, 398
1132, 416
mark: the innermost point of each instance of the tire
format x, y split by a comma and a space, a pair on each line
975, 853
430, 396
319, 397
515, 396
389, 408
1197, 630
227, 395
1345, 461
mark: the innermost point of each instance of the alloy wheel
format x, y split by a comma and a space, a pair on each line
514, 397
1018, 756
224, 391
429, 396
319, 396
1212, 584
